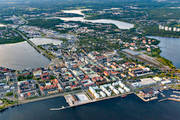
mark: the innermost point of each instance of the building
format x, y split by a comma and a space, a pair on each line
1, 102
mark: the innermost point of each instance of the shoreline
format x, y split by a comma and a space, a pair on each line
147, 100
8, 43
31, 101
162, 35
91, 101
160, 58
41, 98
58, 95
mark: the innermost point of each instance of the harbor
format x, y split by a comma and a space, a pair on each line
69, 100
122, 106
147, 100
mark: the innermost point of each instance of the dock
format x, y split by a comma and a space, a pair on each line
61, 108
66, 107
177, 92
163, 100
147, 100
89, 102
174, 99
162, 95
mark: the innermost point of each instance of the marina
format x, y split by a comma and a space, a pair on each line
147, 100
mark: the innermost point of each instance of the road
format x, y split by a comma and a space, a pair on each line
48, 97
33, 45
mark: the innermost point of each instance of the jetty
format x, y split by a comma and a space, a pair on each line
88, 102
163, 100
174, 99
61, 108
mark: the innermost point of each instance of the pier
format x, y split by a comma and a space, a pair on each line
147, 100
89, 102
163, 100
172, 99
61, 108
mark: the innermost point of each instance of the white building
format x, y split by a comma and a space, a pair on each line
166, 28
96, 96
165, 82
126, 89
170, 28
115, 91
102, 94
121, 90
121, 84
174, 29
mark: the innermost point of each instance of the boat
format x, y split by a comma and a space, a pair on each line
56, 109
123, 96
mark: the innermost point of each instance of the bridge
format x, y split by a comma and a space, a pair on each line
33, 45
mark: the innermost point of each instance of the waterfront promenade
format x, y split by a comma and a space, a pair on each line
34, 46
91, 101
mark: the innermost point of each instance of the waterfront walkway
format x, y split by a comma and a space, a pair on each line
91, 101
34, 46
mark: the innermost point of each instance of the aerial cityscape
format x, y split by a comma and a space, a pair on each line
89, 59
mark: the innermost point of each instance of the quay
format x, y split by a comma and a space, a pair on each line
174, 99
22, 102
89, 102
147, 100
177, 92
162, 95
163, 100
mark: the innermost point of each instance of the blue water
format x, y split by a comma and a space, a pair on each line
129, 108
21, 56
170, 48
